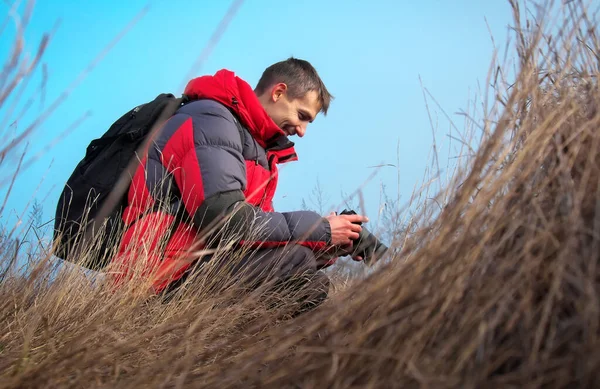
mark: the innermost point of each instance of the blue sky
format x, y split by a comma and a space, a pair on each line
370, 55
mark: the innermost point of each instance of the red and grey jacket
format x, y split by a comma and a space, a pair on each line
203, 164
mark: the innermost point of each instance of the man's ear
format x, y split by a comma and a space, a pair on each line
278, 91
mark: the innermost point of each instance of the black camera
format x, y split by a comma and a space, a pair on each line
367, 246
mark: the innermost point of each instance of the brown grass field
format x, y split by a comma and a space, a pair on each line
498, 287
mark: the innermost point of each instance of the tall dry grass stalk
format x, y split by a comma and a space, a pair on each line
500, 288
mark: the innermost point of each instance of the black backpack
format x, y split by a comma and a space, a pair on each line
88, 222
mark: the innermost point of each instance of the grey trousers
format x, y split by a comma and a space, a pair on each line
290, 269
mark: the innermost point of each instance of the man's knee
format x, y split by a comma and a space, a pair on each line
297, 260
300, 269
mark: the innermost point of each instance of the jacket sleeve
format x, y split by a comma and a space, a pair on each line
271, 229
212, 180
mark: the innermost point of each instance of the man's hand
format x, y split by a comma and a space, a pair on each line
343, 231
344, 228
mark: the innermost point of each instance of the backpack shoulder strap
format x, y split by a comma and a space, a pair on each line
240, 129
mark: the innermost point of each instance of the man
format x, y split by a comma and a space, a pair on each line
215, 161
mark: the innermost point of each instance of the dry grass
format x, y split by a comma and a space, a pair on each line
500, 288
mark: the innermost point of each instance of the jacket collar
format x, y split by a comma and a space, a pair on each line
230, 90
282, 148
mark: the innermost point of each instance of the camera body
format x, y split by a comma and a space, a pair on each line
367, 246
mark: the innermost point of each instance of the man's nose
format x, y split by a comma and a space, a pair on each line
301, 130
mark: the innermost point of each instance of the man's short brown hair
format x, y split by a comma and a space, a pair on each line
300, 77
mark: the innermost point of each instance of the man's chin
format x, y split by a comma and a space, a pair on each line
287, 131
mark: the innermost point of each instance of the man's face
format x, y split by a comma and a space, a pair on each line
291, 115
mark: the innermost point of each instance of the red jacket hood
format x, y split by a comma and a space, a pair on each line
235, 93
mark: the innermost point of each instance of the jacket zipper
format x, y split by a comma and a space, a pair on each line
268, 184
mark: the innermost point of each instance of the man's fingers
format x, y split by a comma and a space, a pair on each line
356, 218
346, 228
355, 227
